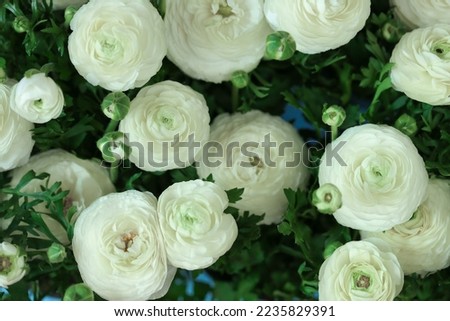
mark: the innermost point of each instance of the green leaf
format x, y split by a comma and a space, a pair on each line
234, 195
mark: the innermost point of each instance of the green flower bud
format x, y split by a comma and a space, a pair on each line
78, 292
21, 24
113, 148
69, 12
327, 198
116, 105
406, 124
280, 46
441, 49
334, 116
240, 79
56, 253
330, 248
391, 33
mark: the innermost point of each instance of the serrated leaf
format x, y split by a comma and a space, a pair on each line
234, 195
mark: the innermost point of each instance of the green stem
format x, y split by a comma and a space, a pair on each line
114, 171
111, 126
234, 98
334, 132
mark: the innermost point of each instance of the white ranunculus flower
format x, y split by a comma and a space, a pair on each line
86, 181
421, 67
12, 264
37, 98
196, 230
166, 127
421, 13
119, 248
211, 39
118, 45
318, 26
63, 4
380, 174
258, 152
360, 271
422, 244
16, 141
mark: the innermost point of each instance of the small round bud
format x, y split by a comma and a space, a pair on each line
240, 79
391, 33
113, 147
327, 198
21, 24
330, 248
116, 105
406, 124
78, 292
280, 46
334, 116
69, 12
56, 253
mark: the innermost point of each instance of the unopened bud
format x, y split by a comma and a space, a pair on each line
406, 124
69, 12
334, 116
78, 292
280, 46
21, 24
327, 198
56, 253
113, 147
240, 79
391, 33
116, 105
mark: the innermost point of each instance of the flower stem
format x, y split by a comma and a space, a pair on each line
234, 97
334, 132
111, 126
114, 171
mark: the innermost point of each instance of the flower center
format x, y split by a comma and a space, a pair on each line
5, 264
441, 49
223, 9
128, 239
328, 197
38, 103
361, 281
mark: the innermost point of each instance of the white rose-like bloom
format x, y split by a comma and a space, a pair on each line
380, 174
166, 127
421, 13
119, 248
37, 98
118, 45
360, 271
16, 141
211, 39
63, 4
196, 230
422, 244
421, 67
258, 152
12, 264
86, 181
318, 25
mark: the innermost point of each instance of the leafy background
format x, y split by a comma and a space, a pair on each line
266, 262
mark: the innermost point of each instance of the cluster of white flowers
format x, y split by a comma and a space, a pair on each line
384, 186
128, 245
